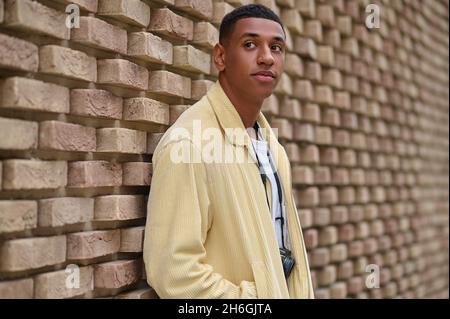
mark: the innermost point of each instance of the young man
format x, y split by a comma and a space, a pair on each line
221, 228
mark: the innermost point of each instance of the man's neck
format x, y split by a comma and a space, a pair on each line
247, 109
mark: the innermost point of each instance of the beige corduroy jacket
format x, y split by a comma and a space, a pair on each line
209, 232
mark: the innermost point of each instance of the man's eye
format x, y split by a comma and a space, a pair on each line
249, 44
277, 47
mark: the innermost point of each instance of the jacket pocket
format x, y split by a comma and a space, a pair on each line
259, 274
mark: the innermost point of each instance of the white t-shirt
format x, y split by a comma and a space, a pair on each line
268, 169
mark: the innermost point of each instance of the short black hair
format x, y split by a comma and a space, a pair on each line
247, 11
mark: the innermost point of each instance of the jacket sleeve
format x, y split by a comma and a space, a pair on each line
176, 229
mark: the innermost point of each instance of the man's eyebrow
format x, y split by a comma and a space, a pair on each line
256, 35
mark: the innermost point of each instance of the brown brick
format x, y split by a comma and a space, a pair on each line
329, 156
143, 293
66, 62
94, 174
135, 12
329, 195
150, 47
99, 34
18, 54
176, 111
132, 239
313, 71
306, 217
61, 211
146, 110
137, 173
309, 197
282, 127
91, 244
33, 95
310, 154
152, 141
321, 216
17, 215
188, 58
325, 14
88, 5
32, 16
120, 207
324, 95
121, 140
323, 135
117, 274
16, 289
294, 65
303, 132
32, 253
168, 83
303, 90
199, 88
311, 238
292, 20
164, 21
95, 103
338, 290
270, 105
205, 34
59, 284
331, 117
345, 270
18, 134
319, 257
306, 7
220, 9
302, 175
2, 11
322, 175
284, 87
291, 108
1, 170
63, 136
327, 275
201, 9
339, 215
122, 73
338, 253
34, 174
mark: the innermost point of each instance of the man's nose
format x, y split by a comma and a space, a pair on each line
265, 56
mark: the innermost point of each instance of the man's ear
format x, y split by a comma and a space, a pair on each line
219, 57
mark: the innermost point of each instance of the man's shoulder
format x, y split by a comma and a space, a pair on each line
194, 119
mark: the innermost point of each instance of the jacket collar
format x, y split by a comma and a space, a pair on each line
229, 118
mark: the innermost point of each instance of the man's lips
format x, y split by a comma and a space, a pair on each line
265, 73
264, 76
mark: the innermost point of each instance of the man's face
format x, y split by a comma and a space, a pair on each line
253, 58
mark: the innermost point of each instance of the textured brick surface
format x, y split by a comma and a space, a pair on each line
17, 215
97, 33
28, 94
67, 62
31, 253
123, 73
362, 114
18, 54
95, 103
34, 174
32, 16
18, 134
58, 284
62, 136
94, 174
92, 244
54, 212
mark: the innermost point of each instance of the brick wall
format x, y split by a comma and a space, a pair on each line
363, 114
